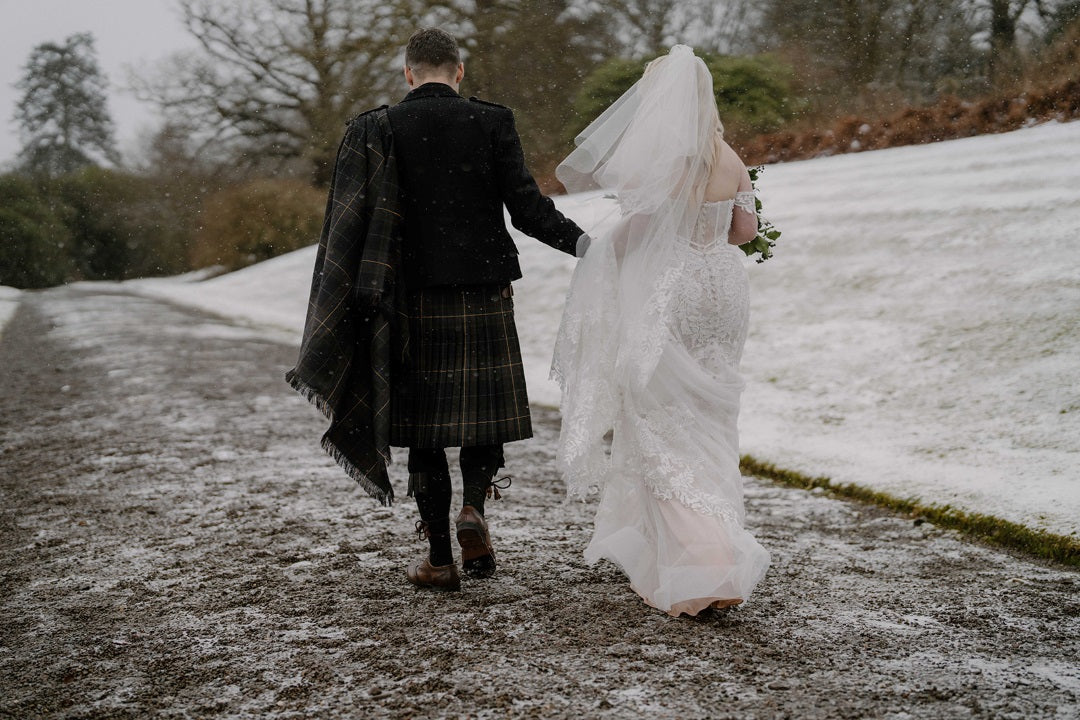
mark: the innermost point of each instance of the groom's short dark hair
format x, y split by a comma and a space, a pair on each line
432, 47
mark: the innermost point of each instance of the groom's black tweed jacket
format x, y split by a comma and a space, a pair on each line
459, 161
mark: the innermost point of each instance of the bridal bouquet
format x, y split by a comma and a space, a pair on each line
767, 233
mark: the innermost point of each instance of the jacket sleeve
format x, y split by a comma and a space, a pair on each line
531, 211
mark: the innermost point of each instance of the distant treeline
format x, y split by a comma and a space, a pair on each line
100, 224
1048, 91
237, 171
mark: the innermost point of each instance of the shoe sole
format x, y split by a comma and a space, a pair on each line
476, 558
436, 588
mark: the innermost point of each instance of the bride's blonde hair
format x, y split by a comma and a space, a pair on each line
718, 137
718, 144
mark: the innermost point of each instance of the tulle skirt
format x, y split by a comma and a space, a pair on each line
671, 514
677, 560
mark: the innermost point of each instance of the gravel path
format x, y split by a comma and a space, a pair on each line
174, 544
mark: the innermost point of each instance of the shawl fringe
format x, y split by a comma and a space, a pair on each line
369, 486
310, 394
316, 398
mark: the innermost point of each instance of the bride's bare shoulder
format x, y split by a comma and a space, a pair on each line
726, 176
730, 157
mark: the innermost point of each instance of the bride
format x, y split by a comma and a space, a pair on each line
650, 342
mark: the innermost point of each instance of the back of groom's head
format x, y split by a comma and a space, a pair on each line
430, 49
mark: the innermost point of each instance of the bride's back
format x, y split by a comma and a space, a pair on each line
728, 177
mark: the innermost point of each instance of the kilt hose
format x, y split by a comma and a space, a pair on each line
464, 384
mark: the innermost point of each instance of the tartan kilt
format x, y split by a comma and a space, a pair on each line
464, 383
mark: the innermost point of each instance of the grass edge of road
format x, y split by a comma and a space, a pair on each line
1062, 549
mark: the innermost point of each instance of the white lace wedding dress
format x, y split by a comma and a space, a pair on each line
649, 347
666, 383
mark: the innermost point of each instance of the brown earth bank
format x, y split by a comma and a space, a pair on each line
174, 544
948, 119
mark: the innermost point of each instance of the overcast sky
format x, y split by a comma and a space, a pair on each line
128, 34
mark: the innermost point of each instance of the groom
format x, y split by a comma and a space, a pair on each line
410, 338
459, 162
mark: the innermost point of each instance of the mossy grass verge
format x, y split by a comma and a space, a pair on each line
987, 528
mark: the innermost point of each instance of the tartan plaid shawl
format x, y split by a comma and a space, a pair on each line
354, 324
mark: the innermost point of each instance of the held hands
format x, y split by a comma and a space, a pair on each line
582, 246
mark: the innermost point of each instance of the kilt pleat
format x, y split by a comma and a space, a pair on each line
464, 383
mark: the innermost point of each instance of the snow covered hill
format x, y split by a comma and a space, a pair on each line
918, 331
9, 300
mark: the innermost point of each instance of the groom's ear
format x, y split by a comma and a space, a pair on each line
460, 73
409, 77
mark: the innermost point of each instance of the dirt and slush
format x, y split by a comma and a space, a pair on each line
174, 544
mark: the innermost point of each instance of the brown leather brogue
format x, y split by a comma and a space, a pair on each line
477, 554
437, 577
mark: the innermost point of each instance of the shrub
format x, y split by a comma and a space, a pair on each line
35, 244
601, 88
753, 93
114, 224
255, 221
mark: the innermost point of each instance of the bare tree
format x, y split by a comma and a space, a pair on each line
1003, 18
856, 48
650, 27
1010, 25
530, 56
276, 78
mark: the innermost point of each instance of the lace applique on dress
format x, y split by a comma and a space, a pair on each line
710, 305
673, 468
746, 201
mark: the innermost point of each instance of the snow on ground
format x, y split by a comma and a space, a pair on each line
272, 294
9, 301
917, 332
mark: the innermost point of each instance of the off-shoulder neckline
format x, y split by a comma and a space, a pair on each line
728, 200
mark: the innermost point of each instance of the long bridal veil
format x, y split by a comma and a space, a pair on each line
671, 507
650, 149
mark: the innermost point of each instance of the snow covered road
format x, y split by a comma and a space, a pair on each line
173, 543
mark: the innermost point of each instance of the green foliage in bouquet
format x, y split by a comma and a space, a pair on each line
767, 234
